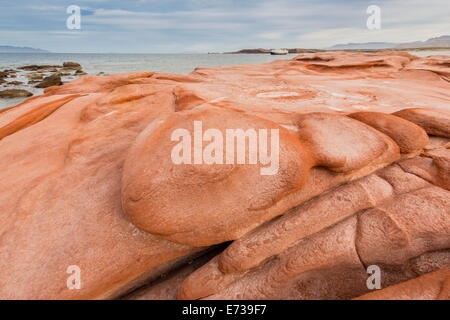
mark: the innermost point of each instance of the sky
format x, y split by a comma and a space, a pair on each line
191, 26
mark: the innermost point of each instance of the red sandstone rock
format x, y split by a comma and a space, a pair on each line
434, 122
433, 286
409, 137
86, 179
390, 235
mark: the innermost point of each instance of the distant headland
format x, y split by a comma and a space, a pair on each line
13, 49
435, 44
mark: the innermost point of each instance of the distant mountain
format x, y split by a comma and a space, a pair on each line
12, 49
438, 42
443, 41
368, 45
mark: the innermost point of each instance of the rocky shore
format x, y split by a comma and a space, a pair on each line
87, 183
20, 82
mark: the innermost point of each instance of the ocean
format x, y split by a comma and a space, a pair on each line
118, 63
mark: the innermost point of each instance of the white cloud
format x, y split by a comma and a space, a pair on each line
271, 35
224, 25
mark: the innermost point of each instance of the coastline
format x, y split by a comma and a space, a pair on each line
301, 50
101, 64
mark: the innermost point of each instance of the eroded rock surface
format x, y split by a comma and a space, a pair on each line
363, 178
433, 286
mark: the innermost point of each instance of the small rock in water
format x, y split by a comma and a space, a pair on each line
14, 83
14, 93
53, 80
7, 72
80, 73
72, 65
50, 68
35, 76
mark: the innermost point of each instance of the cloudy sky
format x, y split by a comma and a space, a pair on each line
163, 26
